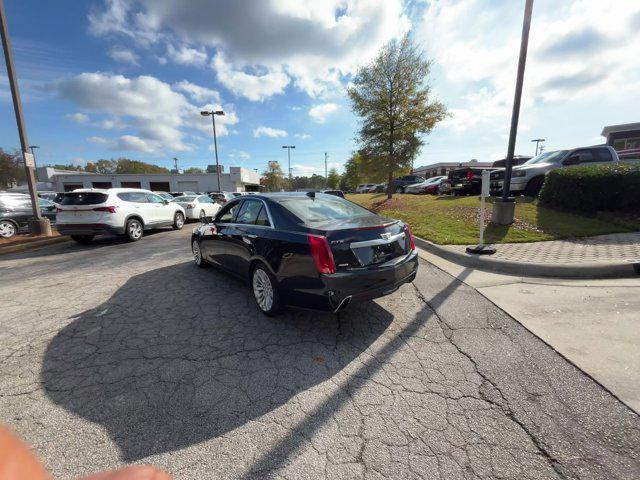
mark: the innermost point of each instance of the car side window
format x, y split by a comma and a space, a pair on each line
263, 218
228, 213
153, 198
583, 156
248, 214
604, 155
204, 199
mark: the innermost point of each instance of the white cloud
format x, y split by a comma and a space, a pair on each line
98, 140
269, 132
319, 113
124, 55
244, 155
254, 87
198, 93
313, 43
185, 55
303, 136
78, 117
157, 116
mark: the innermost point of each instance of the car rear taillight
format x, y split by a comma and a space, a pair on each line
411, 242
58, 210
322, 254
105, 209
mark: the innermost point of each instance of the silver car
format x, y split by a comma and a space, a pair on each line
528, 178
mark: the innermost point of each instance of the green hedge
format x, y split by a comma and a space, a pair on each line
594, 188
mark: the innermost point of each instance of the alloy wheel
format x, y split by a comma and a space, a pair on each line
179, 220
135, 229
262, 289
7, 229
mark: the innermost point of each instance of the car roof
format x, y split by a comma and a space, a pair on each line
110, 190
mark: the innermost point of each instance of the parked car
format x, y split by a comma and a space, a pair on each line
445, 187
399, 184
337, 193
16, 210
181, 194
47, 195
165, 195
308, 250
430, 185
364, 187
528, 178
223, 197
196, 207
379, 188
466, 181
88, 212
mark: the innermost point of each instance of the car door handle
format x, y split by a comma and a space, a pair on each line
249, 235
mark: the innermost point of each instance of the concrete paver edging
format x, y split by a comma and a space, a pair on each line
23, 247
623, 269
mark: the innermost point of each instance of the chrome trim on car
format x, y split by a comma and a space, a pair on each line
377, 241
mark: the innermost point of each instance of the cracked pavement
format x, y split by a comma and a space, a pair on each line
122, 353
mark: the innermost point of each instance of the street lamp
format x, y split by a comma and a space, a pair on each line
289, 147
213, 114
504, 208
32, 148
538, 140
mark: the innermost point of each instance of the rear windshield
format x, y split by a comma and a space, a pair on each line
184, 198
83, 198
323, 208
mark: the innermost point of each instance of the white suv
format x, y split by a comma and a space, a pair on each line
87, 212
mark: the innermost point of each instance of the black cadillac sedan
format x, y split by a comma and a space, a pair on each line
308, 250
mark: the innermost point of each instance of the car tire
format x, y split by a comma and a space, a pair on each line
399, 190
265, 290
8, 229
534, 186
133, 230
178, 221
197, 254
82, 239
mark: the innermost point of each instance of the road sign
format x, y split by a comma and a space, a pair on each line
29, 161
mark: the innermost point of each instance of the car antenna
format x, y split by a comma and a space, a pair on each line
311, 194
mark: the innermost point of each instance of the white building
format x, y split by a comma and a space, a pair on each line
237, 180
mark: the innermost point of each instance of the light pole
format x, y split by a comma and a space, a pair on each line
538, 140
504, 208
215, 138
38, 224
289, 147
32, 148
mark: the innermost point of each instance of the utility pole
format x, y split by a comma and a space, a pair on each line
538, 140
37, 225
289, 147
504, 208
175, 164
326, 175
215, 138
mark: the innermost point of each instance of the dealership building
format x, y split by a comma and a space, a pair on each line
237, 180
622, 137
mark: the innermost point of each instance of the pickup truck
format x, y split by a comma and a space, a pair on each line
399, 184
527, 179
465, 181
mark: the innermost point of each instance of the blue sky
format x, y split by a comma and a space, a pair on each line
110, 78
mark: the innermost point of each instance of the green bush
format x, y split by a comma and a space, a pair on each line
594, 188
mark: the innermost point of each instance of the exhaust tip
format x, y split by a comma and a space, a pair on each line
343, 304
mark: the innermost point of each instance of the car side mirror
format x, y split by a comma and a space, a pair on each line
165, 201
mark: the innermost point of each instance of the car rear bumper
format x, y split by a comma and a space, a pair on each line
341, 289
88, 229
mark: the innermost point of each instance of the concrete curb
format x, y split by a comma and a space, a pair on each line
24, 247
486, 263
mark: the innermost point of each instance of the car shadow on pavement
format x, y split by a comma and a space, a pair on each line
180, 355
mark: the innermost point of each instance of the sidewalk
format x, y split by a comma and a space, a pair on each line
604, 256
593, 323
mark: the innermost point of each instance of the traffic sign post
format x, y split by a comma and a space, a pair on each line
481, 248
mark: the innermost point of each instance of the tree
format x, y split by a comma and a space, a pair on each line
76, 168
125, 165
392, 97
11, 169
194, 170
352, 175
333, 179
272, 178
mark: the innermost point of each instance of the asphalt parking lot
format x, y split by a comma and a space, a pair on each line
116, 353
